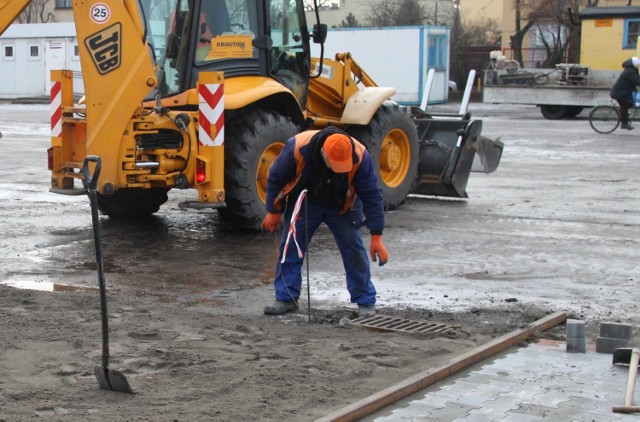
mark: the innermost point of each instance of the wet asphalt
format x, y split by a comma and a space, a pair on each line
556, 226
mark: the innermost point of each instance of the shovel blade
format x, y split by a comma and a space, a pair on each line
102, 377
110, 379
118, 382
622, 356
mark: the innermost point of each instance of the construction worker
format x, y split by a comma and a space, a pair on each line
333, 168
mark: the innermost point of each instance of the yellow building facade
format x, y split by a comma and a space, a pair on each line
609, 36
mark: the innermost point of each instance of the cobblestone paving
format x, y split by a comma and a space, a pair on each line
531, 383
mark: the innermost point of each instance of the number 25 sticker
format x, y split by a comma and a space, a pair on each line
100, 13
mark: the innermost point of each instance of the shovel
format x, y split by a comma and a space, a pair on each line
631, 357
108, 379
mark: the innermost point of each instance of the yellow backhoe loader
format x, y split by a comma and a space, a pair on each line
202, 94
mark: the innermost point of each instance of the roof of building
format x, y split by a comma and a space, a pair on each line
40, 30
609, 12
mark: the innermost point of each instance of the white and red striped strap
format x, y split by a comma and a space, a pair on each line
292, 227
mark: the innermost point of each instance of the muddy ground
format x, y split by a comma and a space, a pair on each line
556, 228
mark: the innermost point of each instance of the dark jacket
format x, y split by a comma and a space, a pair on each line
627, 82
294, 164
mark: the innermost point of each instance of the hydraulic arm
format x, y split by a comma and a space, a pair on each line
118, 73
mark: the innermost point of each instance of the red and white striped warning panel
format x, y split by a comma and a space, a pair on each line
211, 102
56, 109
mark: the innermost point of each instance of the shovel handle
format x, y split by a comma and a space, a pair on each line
90, 181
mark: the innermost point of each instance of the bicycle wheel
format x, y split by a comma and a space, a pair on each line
604, 118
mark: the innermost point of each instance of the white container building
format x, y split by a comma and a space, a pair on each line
397, 56
28, 52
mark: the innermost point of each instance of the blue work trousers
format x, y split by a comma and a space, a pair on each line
346, 232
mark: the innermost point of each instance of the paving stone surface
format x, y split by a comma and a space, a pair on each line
528, 383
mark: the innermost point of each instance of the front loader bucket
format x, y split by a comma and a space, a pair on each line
447, 152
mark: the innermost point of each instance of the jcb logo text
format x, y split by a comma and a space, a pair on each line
105, 48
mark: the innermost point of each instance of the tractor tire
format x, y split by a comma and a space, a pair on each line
553, 112
132, 203
253, 140
392, 141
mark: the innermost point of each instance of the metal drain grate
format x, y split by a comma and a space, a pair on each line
387, 323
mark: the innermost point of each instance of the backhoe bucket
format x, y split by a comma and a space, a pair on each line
448, 147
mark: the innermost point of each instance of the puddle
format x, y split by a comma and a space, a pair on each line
46, 286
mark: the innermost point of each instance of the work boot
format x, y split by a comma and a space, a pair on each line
366, 311
280, 307
626, 126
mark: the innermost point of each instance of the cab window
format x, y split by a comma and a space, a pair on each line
227, 29
289, 53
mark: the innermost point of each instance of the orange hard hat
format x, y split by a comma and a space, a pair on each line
338, 153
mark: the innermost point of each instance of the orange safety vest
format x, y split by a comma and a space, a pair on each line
303, 139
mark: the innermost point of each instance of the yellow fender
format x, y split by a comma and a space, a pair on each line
362, 105
245, 90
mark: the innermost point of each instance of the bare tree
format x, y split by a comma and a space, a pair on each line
522, 9
395, 13
409, 12
350, 22
576, 28
38, 11
322, 4
381, 13
484, 31
554, 32
441, 13
470, 46
556, 29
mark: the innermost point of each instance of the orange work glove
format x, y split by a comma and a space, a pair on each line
271, 222
377, 249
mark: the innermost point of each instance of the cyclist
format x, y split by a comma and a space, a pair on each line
623, 89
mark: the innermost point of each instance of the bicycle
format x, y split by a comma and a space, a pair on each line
606, 118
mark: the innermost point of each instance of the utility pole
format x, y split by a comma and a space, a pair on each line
435, 18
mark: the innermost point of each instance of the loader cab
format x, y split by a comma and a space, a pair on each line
266, 38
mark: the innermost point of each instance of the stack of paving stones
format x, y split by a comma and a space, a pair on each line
613, 336
576, 341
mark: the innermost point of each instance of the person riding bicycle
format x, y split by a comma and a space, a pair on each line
623, 89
